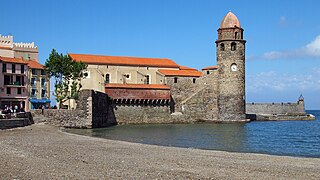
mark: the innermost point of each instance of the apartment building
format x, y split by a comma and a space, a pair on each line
13, 82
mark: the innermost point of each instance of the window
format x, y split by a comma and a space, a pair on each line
34, 72
18, 90
33, 92
107, 78
13, 68
22, 80
236, 35
43, 93
194, 80
43, 81
4, 67
33, 81
175, 80
8, 80
208, 72
147, 79
147, 68
43, 72
221, 47
8, 90
22, 69
233, 46
19, 81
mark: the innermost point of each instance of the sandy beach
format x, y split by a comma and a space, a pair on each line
44, 152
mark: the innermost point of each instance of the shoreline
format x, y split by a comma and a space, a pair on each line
65, 130
42, 151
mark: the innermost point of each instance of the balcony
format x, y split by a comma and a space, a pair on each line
15, 84
15, 73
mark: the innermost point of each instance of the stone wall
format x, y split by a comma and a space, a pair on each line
182, 89
202, 104
276, 108
13, 123
132, 114
100, 110
17, 120
62, 117
91, 112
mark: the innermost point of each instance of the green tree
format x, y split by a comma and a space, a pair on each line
67, 74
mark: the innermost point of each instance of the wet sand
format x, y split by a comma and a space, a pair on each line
43, 152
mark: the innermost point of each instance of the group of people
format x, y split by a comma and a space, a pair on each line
8, 110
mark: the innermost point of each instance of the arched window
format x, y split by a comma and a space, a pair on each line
175, 80
233, 46
107, 78
221, 47
236, 35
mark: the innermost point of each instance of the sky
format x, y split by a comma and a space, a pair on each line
282, 49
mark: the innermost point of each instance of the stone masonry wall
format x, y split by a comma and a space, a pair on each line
100, 107
91, 112
182, 89
276, 108
133, 114
202, 104
62, 117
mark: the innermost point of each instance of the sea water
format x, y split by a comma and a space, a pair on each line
289, 138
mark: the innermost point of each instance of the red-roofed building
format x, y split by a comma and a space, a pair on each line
39, 86
209, 69
13, 83
105, 72
25, 84
23, 75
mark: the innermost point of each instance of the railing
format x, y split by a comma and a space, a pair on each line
17, 83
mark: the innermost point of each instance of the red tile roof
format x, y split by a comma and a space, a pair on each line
186, 68
138, 86
34, 64
184, 73
125, 61
210, 68
13, 60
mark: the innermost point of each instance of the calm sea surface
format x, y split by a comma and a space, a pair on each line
290, 138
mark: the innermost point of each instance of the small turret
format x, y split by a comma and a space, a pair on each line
301, 99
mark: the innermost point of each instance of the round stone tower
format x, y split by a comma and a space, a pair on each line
230, 48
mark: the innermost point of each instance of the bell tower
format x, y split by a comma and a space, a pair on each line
230, 48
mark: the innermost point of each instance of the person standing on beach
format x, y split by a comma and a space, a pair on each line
42, 109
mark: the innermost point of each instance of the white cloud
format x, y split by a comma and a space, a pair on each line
283, 21
281, 82
312, 49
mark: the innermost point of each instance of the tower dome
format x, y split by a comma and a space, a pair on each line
230, 21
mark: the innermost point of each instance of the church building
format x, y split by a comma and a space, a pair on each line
215, 94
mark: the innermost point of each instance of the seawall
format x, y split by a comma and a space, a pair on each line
96, 109
276, 108
278, 111
21, 119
